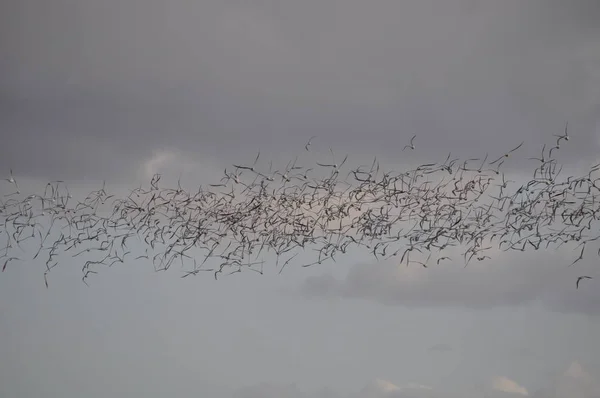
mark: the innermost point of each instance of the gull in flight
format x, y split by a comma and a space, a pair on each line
334, 164
411, 146
579, 280
507, 154
251, 168
11, 179
565, 136
308, 143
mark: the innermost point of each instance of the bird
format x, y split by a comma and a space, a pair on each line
552, 149
411, 146
11, 179
564, 136
7, 261
319, 213
251, 168
507, 154
308, 143
579, 280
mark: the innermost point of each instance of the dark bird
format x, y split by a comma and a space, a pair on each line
507, 154
579, 280
564, 136
411, 146
308, 143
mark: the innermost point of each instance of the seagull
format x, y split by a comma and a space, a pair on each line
11, 179
553, 148
507, 154
411, 146
7, 261
565, 136
308, 143
334, 164
251, 168
579, 280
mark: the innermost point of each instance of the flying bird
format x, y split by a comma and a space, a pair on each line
7, 261
564, 136
11, 179
411, 146
579, 280
507, 154
308, 143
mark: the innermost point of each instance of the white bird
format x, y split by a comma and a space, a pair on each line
11, 179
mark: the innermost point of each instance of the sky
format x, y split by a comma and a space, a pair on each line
118, 90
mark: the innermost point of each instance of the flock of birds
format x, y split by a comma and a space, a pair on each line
465, 205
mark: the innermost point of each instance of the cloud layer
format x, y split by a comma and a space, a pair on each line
98, 87
574, 382
508, 279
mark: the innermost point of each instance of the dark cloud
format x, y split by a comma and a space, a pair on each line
508, 279
89, 90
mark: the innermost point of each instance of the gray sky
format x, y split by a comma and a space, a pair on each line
120, 89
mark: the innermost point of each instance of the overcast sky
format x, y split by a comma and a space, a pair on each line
117, 90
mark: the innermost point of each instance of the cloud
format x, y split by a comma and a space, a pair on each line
269, 390
156, 162
505, 384
172, 163
385, 389
508, 279
97, 88
378, 388
574, 382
